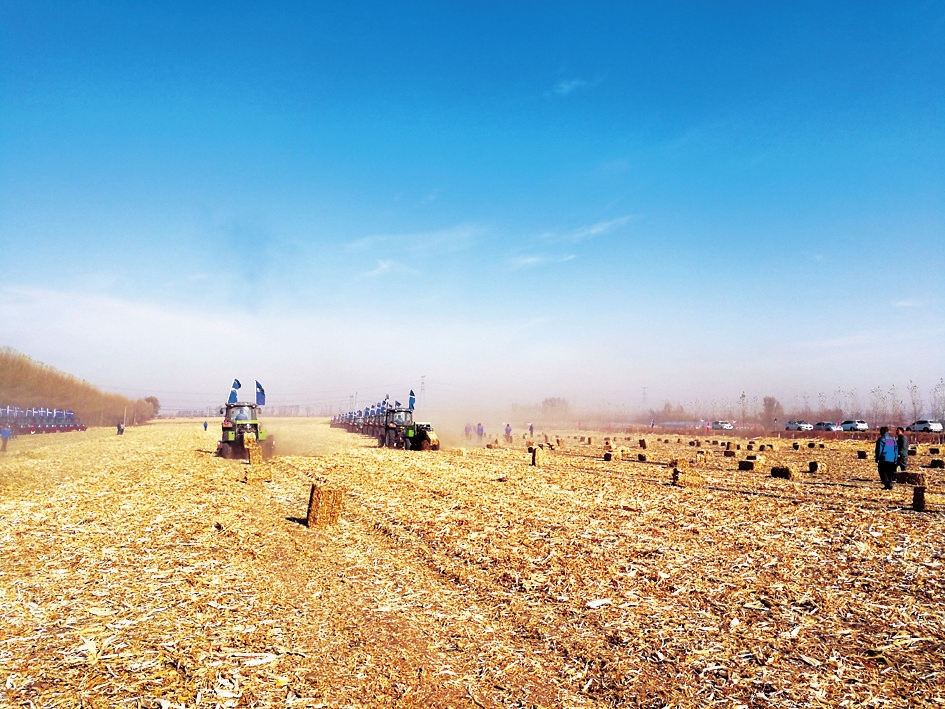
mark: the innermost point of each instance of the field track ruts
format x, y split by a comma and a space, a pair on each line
142, 571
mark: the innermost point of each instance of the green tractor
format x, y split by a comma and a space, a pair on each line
401, 431
239, 419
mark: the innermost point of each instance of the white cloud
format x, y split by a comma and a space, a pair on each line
382, 268
451, 239
520, 262
563, 88
594, 230
909, 304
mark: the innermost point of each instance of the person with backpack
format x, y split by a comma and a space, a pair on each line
887, 457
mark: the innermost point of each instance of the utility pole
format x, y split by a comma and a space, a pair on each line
423, 388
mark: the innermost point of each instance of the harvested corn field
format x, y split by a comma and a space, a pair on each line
143, 571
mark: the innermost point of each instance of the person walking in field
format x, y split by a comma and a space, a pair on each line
5, 434
508, 433
887, 457
204, 425
903, 444
480, 432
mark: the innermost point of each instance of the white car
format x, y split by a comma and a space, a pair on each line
722, 426
925, 426
854, 425
825, 426
799, 425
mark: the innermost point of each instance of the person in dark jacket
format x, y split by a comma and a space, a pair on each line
887, 457
903, 444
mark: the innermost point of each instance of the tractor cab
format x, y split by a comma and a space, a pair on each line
239, 414
399, 417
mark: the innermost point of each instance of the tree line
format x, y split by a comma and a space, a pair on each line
26, 383
882, 405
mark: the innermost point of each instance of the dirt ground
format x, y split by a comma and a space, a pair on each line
142, 571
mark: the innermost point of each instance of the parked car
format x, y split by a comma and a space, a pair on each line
722, 426
854, 425
825, 426
799, 425
925, 426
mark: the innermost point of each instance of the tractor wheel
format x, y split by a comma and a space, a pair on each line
391, 440
425, 446
381, 441
226, 451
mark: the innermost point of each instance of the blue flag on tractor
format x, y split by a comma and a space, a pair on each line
412, 401
233, 395
260, 395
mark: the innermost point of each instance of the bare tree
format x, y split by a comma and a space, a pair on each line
897, 408
915, 400
853, 404
937, 400
772, 412
878, 405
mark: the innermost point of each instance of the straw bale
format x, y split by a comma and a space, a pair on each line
783, 472
324, 506
728, 453
936, 463
924, 500
909, 478
933, 451
687, 477
642, 443
253, 448
746, 465
861, 455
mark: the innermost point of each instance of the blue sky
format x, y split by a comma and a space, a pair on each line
516, 200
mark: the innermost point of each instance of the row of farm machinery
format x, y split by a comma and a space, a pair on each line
39, 420
391, 425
